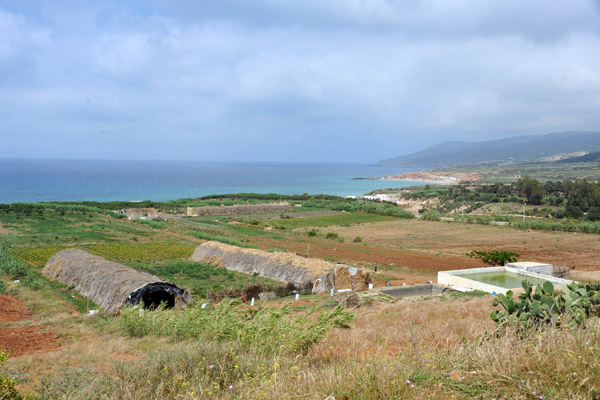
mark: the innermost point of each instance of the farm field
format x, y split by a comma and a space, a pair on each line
435, 347
456, 239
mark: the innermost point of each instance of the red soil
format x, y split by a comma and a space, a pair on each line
20, 341
26, 340
11, 309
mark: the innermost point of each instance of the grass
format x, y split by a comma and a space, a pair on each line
272, 330
233, 242
120, 252
200, 277
51, 226
346, 219
373, 360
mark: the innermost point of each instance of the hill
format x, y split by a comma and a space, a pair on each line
590, 157
513, 150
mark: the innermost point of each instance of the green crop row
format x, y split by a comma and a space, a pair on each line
121, 252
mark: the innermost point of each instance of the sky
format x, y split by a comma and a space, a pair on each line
274, 80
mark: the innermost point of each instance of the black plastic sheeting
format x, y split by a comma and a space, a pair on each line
153, 294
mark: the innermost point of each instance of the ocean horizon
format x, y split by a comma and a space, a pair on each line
37, 180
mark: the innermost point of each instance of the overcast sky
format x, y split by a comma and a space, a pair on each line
281, 80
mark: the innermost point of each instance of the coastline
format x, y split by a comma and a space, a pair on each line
434, 177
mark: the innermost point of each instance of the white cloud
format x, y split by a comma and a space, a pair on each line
383, 77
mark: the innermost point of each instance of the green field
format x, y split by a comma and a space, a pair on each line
346, 219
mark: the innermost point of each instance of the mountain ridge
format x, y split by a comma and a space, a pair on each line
512, 150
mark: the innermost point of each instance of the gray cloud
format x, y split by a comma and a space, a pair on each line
340, 80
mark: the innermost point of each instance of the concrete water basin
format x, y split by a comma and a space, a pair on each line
494, 279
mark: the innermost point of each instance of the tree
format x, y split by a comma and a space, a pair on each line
582, 193
493, 258
531, 189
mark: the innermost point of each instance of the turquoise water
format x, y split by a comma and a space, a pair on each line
507, 280
72, 180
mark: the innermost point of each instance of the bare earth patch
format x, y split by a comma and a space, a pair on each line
20, 341
11, 309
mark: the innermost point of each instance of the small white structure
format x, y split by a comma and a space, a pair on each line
538, 268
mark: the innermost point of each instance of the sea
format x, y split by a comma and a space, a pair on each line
34, 180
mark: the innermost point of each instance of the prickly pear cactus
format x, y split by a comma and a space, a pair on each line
545, 306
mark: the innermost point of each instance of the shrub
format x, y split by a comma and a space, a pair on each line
313, 232
559, 214
494, 257
331, 235
357, 239
8, 385
573, 212
431, 215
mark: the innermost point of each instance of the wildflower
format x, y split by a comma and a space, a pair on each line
408, 382
211, 366
230, 387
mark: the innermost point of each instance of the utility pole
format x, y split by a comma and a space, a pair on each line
463, 210
524, 204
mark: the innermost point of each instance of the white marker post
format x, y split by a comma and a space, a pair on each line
252, 302
331, 292
297, 296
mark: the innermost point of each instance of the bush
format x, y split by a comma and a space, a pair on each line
494, 257
558, 214
2, 286
331, 235
431, 215
573, 212
313, 232
8, 385
357, 239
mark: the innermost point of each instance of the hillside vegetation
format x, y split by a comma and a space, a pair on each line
519, 149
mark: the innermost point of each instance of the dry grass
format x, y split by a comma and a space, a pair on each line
384, 329
372, 361
558, 248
